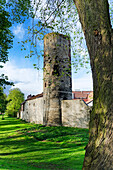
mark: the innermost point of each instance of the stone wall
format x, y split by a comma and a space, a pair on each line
56, 107
75, 113
57, 85
33, 111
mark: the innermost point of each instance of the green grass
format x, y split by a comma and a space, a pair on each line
27, 146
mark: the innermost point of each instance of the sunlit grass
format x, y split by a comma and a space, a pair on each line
28, 146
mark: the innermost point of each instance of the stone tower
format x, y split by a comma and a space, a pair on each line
57, 84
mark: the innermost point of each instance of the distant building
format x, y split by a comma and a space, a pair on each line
86, 96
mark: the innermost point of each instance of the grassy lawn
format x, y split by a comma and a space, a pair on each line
27, 146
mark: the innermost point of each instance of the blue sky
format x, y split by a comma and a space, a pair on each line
20, 70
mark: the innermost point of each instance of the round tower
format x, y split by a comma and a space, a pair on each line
57, 82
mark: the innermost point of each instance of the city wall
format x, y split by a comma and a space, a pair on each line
32, 111
56, 107
74, 113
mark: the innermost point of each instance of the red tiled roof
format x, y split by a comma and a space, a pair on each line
88, 101
87, 96
36, 96
80, 95
33, 97
83, 92
85, 100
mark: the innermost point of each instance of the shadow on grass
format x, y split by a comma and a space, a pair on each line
27, 146
49, 159
15, 165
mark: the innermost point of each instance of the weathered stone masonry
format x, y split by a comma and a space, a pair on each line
57, 84
32, 111
75, 113
56, 107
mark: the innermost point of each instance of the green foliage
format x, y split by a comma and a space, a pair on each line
19, 11
15, 98
3, 101
10, 11
29, 146
60, 17
4, 81
53, 16
5, 42
5, 35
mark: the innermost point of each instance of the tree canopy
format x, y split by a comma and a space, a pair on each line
96, 19
10, 12
5, 42
15, 98
3, 101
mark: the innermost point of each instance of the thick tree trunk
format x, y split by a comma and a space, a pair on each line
95, 20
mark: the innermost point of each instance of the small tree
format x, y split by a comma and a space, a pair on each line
15, 98
3, 102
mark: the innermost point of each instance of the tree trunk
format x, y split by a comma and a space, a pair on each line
95, 20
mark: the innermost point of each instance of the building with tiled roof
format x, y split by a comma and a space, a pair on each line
86, 96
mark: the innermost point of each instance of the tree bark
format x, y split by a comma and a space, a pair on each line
95, 20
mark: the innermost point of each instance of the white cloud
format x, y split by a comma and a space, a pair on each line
83, 82
28, 80
19, 31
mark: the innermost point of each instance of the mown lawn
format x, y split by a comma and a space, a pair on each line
28, 146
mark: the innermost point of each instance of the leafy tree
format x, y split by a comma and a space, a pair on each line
5, 42
15, 98
96, 24
10, 12
3, 101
